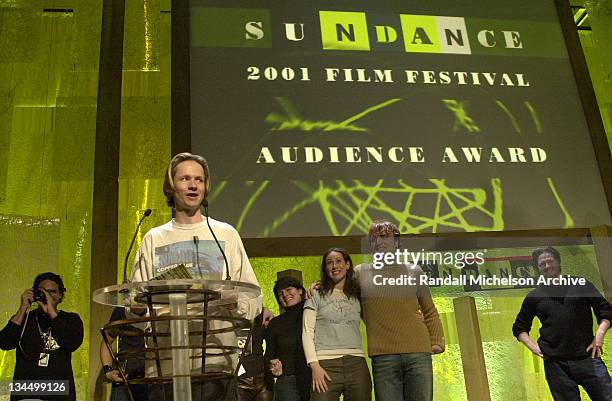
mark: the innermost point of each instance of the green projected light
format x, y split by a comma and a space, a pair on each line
460, 111
347, 206
294, 121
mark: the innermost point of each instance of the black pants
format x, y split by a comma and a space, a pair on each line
564, 377
214, 390
349, 376
253, 389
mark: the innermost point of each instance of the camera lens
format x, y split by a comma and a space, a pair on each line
39, 296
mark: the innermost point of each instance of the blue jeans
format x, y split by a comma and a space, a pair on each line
286, 389
407, 377
564, 377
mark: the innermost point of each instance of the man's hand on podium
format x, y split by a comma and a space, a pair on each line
114, 376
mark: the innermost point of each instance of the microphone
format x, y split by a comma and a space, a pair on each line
196, 241
227, 273
146, 214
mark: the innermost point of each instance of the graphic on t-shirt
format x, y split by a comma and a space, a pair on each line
340, 311
201, 260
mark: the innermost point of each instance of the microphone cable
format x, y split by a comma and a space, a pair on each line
227, 273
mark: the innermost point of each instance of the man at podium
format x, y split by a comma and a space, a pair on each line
189, 246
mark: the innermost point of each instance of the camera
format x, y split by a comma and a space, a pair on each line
39, 296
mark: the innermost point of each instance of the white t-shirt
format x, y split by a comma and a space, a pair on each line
191, 247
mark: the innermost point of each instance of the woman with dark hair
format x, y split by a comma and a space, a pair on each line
284, 343
331, 337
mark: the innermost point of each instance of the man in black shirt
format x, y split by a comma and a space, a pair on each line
571, 353
131, 338
45, 338
255, 383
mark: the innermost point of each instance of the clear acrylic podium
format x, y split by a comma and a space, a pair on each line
196, 331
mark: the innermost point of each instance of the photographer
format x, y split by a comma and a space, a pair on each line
45, 338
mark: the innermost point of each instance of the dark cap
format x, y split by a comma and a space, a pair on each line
285, 282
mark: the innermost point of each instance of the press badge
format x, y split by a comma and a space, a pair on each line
44, 360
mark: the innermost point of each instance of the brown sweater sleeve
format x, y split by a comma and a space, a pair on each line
430, 314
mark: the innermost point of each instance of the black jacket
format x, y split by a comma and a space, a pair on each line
565, 314
66, 329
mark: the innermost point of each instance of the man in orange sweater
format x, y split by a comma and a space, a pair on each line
402, 322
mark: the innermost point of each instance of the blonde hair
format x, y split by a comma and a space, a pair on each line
171, 170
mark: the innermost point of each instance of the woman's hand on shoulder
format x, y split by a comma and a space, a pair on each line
311, 289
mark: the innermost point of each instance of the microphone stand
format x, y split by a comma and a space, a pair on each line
146, 214
227, 273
